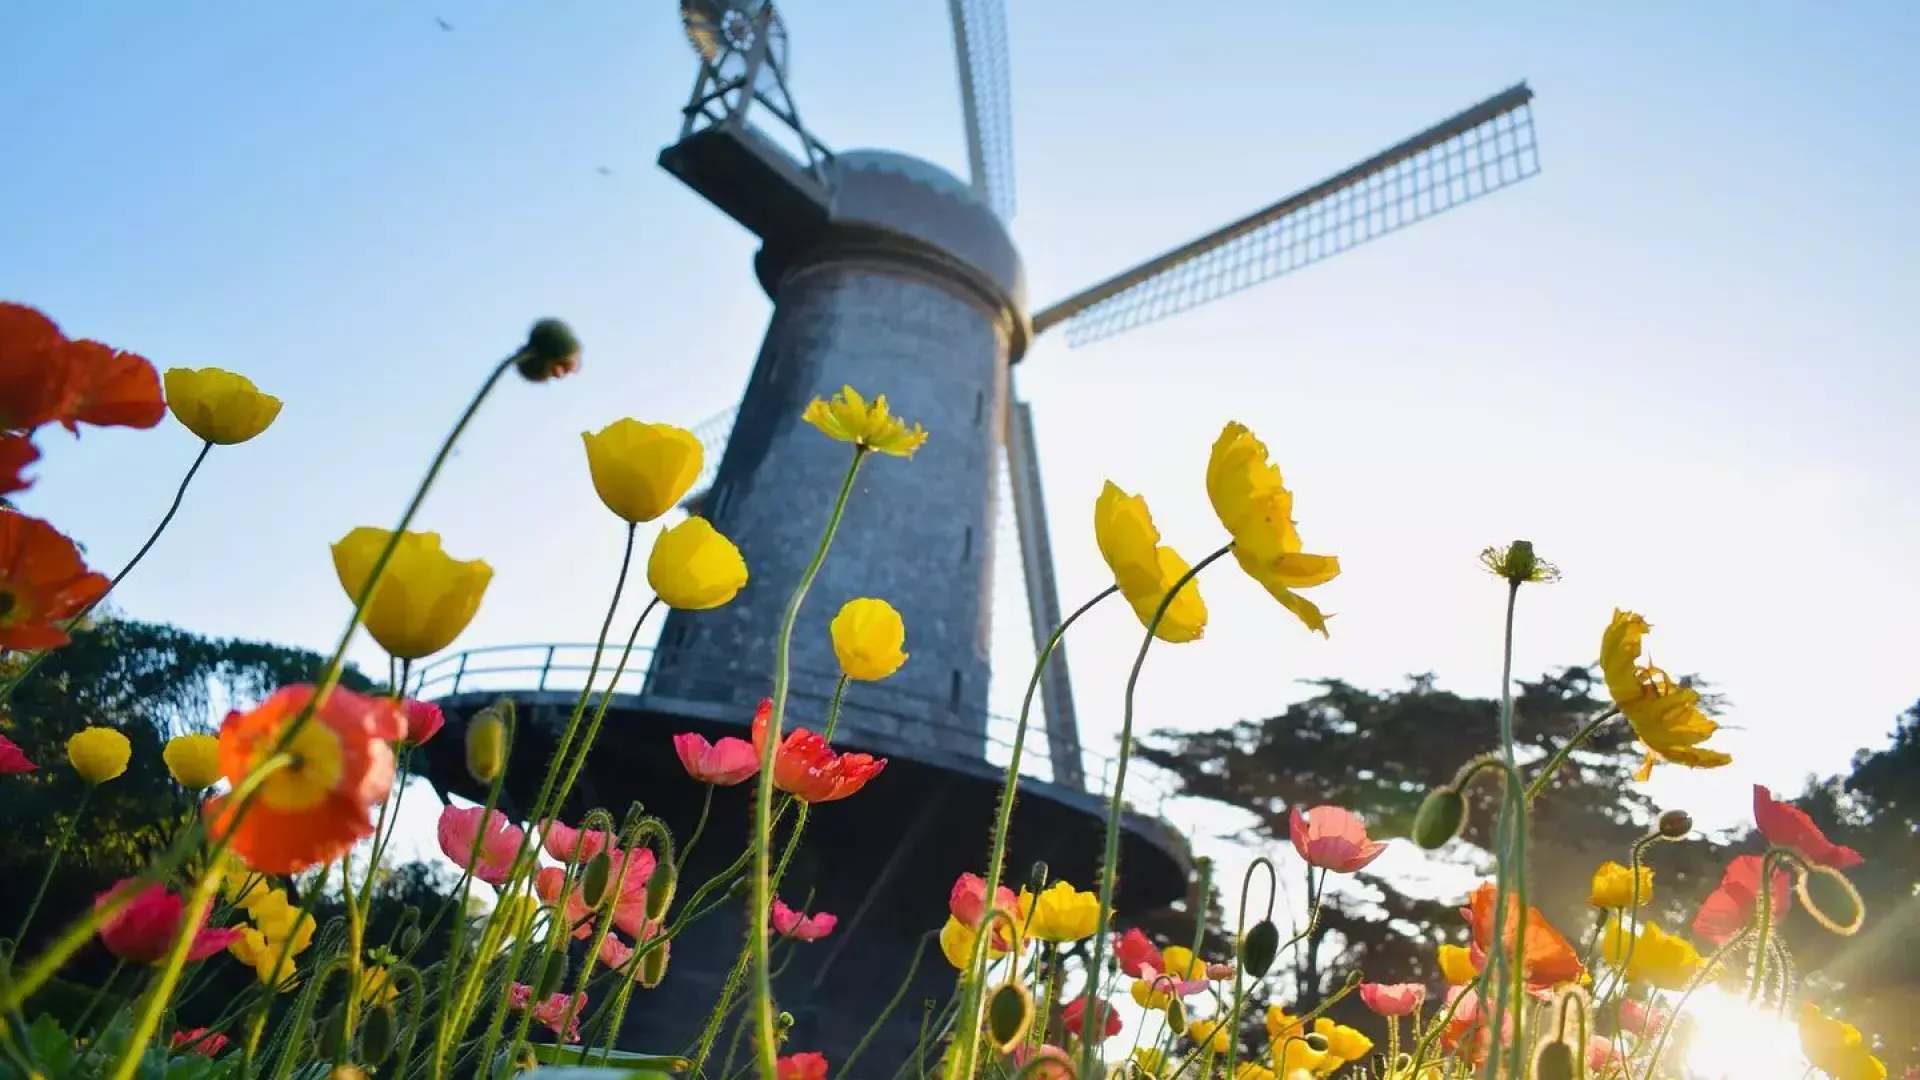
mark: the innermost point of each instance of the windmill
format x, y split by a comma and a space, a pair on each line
889, 274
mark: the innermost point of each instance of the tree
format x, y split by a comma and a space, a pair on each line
1379, 754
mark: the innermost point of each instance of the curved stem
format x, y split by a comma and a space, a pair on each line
53, 864
766, 1050
1560, 756
972, 1002
1110, 866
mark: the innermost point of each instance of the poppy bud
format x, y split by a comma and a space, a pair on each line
593, 886
1555, 1060
376, 1035
653, 966
551, 352
1009, 1012
1037, 877
552, 975
783, 1023
1317, 1042
487, 742
410, 938
1676, 824
660, 890
1176, 1013
1259, 948
333, 1034
1442, 815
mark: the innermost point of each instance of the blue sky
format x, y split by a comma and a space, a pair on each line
1681, 360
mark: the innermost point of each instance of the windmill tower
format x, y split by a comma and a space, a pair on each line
889, 274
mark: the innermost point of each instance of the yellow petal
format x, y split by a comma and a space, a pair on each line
641, 471
694, 568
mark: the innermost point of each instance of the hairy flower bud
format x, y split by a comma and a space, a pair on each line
1037, 877
1555, 1060
1442, 815
1009, 1013
593, 884
377, 1034
552, 976
410, 938
487, 742
551, 352
1259, 948
653, 966
1676, 824
660, 890
333, 1034
1176, 1013
1316, 1042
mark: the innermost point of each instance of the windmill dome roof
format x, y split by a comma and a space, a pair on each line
921, 200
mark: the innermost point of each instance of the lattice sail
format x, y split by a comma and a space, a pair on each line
1478, 151
986, 98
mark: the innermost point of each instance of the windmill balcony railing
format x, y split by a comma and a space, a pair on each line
563, 667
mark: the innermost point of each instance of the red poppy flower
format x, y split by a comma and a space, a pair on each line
1735, 902
1786, 825
1549, 958
198, 1041
35, 381
723, 762
805, 767
806, 1066
314, 810
16, 453
112, 388
1074, 1016
424, 721
801, 927
143, 931
42, 582
1135, 954
12, 758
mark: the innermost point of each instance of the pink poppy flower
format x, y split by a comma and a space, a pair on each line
1054, 1063
143, 931
723, 763
803, 1066
791, 923
561, 841
550, 883
1786, 825
614, 953
1601, 1056
1733, 904
499, 841
1136, 954
1333, 839
631, 872
198, 1041
551, 1012
1074, 1016
12, 758
1392, 999
1635, 1017
968, 901
1220, 972
1162, 982
424, 721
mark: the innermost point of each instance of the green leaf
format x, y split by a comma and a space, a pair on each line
50, 1045
559, 1060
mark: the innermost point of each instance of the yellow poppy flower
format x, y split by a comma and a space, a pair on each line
1280, 1024
694, 568
1252, 1070
1657, 959
1613, 887
99, 754
1456, 965
1836, 1047
956, 944
1150, 1059
641, 471
1665, 715
1181, 965
868, 639
278, 919
424, 599
849, 418
1060, 913
1256, 509
376, 988
219, 406
193, 760
1343, 1043
1143, 568
1213, 1034
257, 952
1291, 1053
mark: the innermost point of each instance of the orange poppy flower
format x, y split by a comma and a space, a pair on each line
45, 377
16, 453
42, 582
316, 809
805, 767
1549, 958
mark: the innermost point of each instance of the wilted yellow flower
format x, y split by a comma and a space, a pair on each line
849, 418
1613, 887
376, 988
1345, 1043
956, 944
194, 760
1456, 965
262, 955
219, 406
641, 471
1665, 715
1145, 569
1213, 1034
1658, 959
99, 754
1060, 913
1257, 511
1836, 1047
694, 568
425, 597
868, 639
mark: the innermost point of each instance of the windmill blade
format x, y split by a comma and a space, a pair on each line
1478, 151
1043, 597
980, 39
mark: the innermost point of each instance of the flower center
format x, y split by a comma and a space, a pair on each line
10, 608
318, 762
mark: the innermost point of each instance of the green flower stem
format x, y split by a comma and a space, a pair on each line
53, 864
972, 1002
1676, 1015
699, 827
1763, 917
1510, 845
1110, 865
833, 708
757, 921
600, 711
1559, 758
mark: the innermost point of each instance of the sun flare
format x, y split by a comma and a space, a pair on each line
1734, 1038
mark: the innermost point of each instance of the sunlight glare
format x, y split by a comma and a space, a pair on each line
1732, 1038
